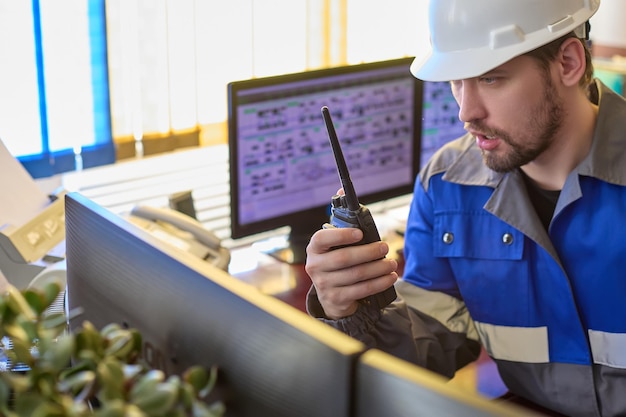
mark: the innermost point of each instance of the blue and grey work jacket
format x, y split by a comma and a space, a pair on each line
548, 306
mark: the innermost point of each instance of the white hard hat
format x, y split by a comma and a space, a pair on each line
470, 37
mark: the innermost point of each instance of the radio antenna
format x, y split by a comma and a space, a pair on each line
352, 200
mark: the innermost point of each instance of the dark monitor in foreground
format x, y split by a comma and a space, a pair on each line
282, 170
390, 387
274, 359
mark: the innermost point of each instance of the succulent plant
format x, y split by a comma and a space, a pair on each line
86, 372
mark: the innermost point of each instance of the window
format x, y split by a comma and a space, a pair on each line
88, 82
170, 61
54, 106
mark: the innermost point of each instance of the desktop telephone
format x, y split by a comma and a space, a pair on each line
182, 231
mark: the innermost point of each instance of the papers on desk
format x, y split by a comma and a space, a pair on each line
20, 196
398, 216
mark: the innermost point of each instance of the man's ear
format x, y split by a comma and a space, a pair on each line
572, 62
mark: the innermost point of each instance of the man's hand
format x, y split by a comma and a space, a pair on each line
345, 275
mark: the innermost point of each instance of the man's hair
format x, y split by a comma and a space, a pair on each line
547, 53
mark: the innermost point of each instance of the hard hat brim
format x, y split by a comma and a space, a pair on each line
457, 65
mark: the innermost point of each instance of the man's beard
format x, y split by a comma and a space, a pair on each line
543, 124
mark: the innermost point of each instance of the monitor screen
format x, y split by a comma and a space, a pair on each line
274, 360
282, 170
440, 119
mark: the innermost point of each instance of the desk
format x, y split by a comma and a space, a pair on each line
289, 283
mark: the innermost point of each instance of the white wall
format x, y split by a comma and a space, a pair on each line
608, 25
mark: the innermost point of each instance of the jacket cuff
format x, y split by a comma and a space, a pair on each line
357, 325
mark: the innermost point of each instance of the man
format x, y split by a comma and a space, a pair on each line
515, 238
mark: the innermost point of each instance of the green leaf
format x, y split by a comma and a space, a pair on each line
110, 330
49, 409
35, 300
51, 291
46, 384
29, 326
27, 402
146, 383
187, 395
176, 413
58, 355
114, 408
158, 401
21, 352
18, 381
132, 371
111, 379
54, 321
197, 377
89, 339
211, 383
200, 409
17, 333
121, 346
5, 392
80, 385
18, 304
77, 366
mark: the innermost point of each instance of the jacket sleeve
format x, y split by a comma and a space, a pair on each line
406, 332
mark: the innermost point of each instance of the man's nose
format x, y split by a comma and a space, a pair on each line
471, 106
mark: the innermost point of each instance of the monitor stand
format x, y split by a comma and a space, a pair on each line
294, 251
289, 255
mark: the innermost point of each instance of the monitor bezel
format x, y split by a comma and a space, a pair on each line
387, 385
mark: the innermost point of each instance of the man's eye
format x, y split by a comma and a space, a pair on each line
488, 80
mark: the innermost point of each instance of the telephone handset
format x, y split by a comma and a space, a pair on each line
182, 231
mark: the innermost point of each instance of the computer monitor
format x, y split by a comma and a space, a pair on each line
390, 387
274, 359
440, 118
282, 170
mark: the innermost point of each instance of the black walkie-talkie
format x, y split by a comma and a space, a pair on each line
346, 211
